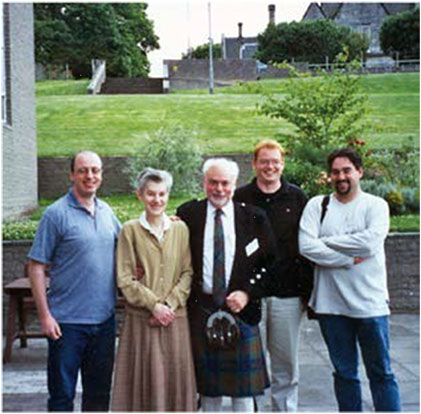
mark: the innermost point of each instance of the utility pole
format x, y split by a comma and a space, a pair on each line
210, 52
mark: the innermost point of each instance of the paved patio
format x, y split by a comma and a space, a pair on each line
25, 389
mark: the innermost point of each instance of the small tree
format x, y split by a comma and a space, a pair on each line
175, 150
202, 52
308, 41
327, 111
401, 33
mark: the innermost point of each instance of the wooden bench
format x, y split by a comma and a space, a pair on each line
21, 302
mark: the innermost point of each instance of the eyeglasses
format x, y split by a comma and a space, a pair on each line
266, 162
93, 170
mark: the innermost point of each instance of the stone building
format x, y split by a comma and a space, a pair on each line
18, 110
365, 18
243, 47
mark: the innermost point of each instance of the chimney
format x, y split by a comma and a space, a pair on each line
271, 13
240, 30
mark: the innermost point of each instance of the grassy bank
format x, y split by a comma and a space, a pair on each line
226, 122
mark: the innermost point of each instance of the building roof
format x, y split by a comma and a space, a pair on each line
331, 10
393, 8
314, 11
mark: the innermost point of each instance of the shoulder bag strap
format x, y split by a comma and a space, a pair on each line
325, 203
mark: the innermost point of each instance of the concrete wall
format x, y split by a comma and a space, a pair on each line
402, 253
191, 73
53, 174
224, 69
19, 135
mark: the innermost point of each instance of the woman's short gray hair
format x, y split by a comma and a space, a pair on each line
152, 174
230, 165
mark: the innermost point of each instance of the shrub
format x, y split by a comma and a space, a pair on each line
202, 52
400, 166
395, 200
411, 200
308, 41
401, 200
175, 150
19, 230
305, 168
394, 175
327, 111
401, 33
376, 188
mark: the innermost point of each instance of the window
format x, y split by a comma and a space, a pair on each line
248, 50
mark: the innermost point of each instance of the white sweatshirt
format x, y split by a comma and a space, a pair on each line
354, 229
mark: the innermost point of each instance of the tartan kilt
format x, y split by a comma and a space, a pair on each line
239, 372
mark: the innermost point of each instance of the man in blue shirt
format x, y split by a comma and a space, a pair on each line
76, 238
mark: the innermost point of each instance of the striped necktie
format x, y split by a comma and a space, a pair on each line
219, 289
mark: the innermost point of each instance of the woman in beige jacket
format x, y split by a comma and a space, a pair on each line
154, 368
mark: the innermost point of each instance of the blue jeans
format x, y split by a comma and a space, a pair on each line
341, 334
89, 348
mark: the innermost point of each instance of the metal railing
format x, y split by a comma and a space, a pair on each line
98, 77
371, 65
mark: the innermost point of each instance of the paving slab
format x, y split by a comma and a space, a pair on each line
24, 379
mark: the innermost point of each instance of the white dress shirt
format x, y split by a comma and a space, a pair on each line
228, 225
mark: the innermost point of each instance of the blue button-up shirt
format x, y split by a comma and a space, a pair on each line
81, 250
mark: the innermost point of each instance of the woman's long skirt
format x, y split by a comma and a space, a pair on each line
154, 368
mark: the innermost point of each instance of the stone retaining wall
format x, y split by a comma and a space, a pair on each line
53, 174
402, 252
132, 86
403, 267
54, 181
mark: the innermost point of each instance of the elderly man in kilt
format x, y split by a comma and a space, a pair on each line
232, 249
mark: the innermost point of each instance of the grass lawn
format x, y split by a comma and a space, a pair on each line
128, 207
61, 87
116, 124
372, 84
226, 122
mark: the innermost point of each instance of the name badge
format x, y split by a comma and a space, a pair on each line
252, 247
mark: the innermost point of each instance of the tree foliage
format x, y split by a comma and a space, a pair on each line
76, 33
202, 52
401, 33
308, 41
327, 111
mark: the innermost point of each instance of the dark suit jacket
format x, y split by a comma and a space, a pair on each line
247, 272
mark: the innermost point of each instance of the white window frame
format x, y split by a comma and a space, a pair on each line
242, 48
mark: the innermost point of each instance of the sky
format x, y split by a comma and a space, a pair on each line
183, 23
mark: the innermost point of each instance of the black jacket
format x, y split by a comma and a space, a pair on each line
284, 209
250, 223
